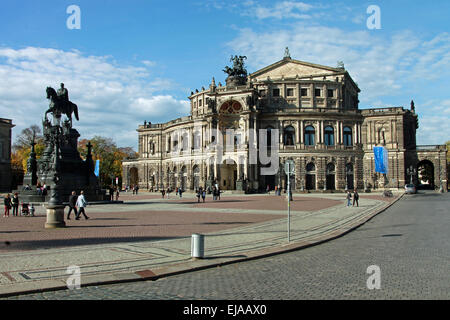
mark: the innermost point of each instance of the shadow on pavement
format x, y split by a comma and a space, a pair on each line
59, 243
161, 224
224, 257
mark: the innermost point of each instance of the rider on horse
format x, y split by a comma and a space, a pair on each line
59, 103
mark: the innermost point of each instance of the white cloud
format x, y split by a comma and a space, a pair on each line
281, 10
112, 99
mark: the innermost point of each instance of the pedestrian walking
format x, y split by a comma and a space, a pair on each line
203, 195
137, 189
214, 193
15, 204
349, 198
218, 193
199, 191
72, 204
168, 193
176, 191
81, 204
163, 192
355, 198
180, 191
268, 189
7, 202
117, 193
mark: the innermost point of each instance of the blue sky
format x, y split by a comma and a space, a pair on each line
138, 60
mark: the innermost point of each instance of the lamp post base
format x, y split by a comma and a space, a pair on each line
55, 218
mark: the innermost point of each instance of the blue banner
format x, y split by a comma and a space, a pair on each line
381, 159
97, 167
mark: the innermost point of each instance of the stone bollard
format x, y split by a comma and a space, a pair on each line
197, 246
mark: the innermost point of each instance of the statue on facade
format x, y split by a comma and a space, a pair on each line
287, 55
238, 68
237, 75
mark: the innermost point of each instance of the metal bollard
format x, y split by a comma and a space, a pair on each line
197, 246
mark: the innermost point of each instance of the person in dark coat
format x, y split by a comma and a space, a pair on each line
72, 204
15, 204
7, 202
355, 198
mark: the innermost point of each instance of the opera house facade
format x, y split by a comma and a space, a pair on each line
240, 134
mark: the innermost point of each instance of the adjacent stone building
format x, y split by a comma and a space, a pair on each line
5, 154
314, 112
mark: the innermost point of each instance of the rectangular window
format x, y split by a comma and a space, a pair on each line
290, 92
330, 93
304, 92
276, 92
317, 92
199, 103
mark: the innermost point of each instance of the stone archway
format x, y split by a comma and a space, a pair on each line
183, 178
331, 177
310, 177
228, 175
196, 177
134, 176
425, 174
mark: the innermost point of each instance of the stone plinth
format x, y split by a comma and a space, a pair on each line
55, 217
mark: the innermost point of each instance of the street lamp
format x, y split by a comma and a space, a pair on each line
412, 172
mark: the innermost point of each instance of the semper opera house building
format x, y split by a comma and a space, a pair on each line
309, 114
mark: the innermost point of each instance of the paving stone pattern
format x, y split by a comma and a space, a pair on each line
410, 243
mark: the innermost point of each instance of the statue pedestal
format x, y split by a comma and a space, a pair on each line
55, 217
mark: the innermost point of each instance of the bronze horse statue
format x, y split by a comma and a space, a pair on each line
60, 106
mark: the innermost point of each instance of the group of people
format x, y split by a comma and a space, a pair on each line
134, 188
355, 198
77, 204
201, 193
114, 191
13, 203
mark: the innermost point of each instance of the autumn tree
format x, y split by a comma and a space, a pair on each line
21, 148
110, 156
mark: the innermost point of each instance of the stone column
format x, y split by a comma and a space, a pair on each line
301, 132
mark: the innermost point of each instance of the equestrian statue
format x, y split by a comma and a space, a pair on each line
60, 104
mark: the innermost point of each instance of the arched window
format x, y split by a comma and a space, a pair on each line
184, 142
310, 176
230, 107
347, 136
330, 168
289, 136
329, 136
330, 177
310, 133
152, 147
197, 140
310, 167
